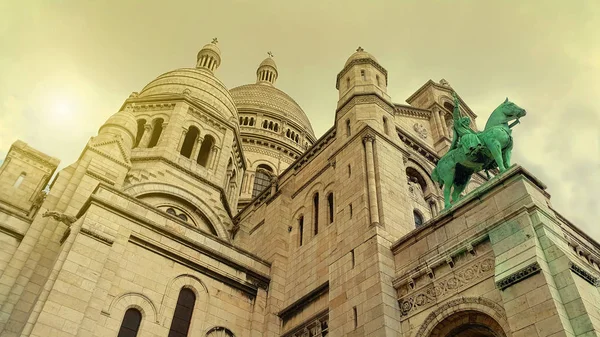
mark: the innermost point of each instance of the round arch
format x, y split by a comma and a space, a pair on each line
139, 190
454, 317
425, 173
169, 300
139, 301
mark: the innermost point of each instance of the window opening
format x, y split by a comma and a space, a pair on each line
316, 212
188, 142
131, 323
183, 313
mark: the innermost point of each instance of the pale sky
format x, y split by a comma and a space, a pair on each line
66, 66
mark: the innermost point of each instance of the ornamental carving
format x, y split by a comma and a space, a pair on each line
420, 130
518, 276
591, 279
455, 282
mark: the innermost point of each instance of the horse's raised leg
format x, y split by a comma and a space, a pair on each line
496, 151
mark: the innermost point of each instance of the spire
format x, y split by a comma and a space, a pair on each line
209, 57
267, 71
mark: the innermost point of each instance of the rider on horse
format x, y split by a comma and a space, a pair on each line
463, 137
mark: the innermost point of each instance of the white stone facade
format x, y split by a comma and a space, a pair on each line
203, 211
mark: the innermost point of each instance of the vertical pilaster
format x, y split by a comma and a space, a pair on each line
371, 183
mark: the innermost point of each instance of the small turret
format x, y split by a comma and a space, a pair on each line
267, 71
209, 57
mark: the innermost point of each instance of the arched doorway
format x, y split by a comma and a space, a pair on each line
469, 323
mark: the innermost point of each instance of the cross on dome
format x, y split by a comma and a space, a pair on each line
214, 41
270, 54
360, 49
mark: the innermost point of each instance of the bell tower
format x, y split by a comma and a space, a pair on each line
363, 98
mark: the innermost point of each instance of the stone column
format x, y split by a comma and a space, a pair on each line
373, 205
437, 123
213, 157
181, 140
442, 125
161, 139
196, 148
147, 135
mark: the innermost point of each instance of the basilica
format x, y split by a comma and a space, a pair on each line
201, 210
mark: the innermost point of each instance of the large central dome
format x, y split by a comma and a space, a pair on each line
199, 83
266, 97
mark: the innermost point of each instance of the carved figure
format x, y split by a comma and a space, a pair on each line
472, 152
37, 202
64, 218
420, 129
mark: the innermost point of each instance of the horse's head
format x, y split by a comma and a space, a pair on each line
511, 110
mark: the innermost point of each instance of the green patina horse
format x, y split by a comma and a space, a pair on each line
472, 151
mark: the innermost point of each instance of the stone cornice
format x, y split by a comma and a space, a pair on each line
248, 286
407, 110
438, 86
144, 221
25, 150
519, 276
367, 60
303, 301
370, 98
417, 145
96, 236
11, 232
591, 279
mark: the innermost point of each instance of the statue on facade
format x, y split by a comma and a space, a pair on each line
472, 151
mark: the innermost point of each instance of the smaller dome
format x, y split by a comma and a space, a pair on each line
267, 71
209, 57
122, 123
360, 54
268, 62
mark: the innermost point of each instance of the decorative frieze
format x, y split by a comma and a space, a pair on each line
518, 276
96, 236
445, 287
591, 279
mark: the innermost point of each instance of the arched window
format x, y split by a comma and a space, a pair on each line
205, 150
188, 142
287, 133
157, 130
262, 179
415, 177
183, 313
270, 125
363, 75
183, 217
385, 125
330, 206
19, 180
377, 79
316, 212
140, 131
347, 83
276, 128
348, 127
171, 211
251, 121
449, 106
131, 323
297, 139
219, 331
418, 218
241, 120
265, 124
246, 121
301, 228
